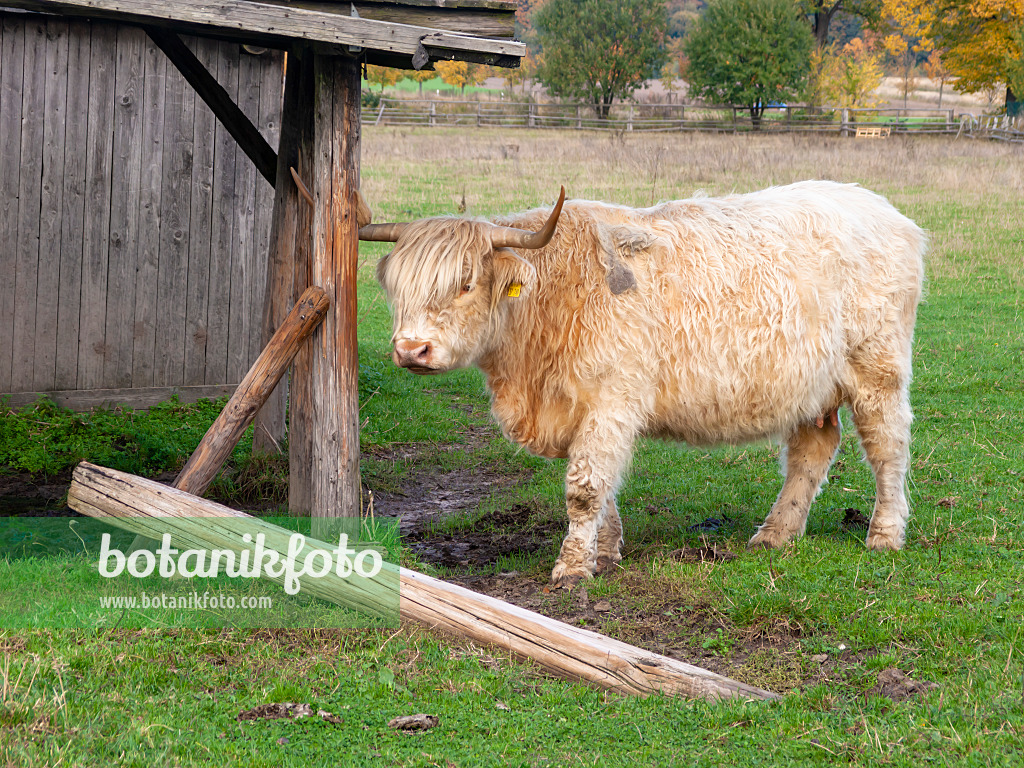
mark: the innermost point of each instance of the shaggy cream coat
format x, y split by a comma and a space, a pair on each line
709, 320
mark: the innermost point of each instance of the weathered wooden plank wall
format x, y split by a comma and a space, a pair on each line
133, 232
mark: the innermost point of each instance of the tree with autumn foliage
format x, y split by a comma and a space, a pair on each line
459, 74
851, 75
935, 68
977, 39
599, 50
420, 76
748, 53
383, 76
1013, 65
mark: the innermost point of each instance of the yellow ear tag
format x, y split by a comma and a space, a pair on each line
514, 289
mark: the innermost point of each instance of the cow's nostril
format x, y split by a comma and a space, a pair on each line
410, 352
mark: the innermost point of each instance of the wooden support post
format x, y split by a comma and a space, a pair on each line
255, 388
289, 236
324, 426
569, 652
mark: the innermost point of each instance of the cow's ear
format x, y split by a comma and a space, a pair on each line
512, 276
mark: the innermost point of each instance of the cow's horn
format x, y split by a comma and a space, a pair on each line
382, 233
510, 237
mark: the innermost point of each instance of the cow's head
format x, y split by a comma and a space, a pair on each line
446, 280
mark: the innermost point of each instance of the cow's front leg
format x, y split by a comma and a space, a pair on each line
596, 464
609, 538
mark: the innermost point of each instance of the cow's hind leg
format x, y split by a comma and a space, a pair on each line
597, 460
882, 416
809, 453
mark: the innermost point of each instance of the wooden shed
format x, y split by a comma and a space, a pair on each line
133, 231
306, 245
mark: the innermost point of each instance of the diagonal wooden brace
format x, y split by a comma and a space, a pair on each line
252, 392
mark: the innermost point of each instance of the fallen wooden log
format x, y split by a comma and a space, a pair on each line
149, 508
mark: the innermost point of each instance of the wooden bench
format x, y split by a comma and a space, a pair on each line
872, 131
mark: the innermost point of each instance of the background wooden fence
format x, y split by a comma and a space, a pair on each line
675, 117
133, 232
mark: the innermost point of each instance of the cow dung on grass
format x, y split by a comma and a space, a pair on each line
707, 321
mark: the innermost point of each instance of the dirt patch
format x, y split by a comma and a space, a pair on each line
24, 494
896, 685
285, 712
496, 534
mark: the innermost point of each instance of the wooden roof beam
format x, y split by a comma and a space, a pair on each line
281, 25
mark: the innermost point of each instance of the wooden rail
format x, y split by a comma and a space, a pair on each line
663, 118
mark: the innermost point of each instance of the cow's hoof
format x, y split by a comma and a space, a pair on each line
886, 541
767, 540
565, 577
607, 564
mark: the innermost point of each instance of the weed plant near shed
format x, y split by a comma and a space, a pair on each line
852, 638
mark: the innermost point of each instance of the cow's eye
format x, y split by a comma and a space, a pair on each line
466, 289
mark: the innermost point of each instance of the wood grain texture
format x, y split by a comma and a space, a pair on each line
565, 651
29, 189
175, 203
12, 65
281, 24
108, 248
222, 231
51, 204
197, 289
270, 427
96, 231
126, 180
246, 268
73, 209
150, 205
268, 120
331, 421
216, 98
300, 394
136, 398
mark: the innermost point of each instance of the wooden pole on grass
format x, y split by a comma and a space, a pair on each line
149, 508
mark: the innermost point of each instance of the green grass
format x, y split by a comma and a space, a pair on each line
817, 621
430, 88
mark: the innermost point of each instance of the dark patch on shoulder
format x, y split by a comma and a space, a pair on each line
620, 278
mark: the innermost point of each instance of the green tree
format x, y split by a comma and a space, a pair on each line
748, 53
822, 13
599, 50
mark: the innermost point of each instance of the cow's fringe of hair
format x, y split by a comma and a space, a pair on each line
434, 259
